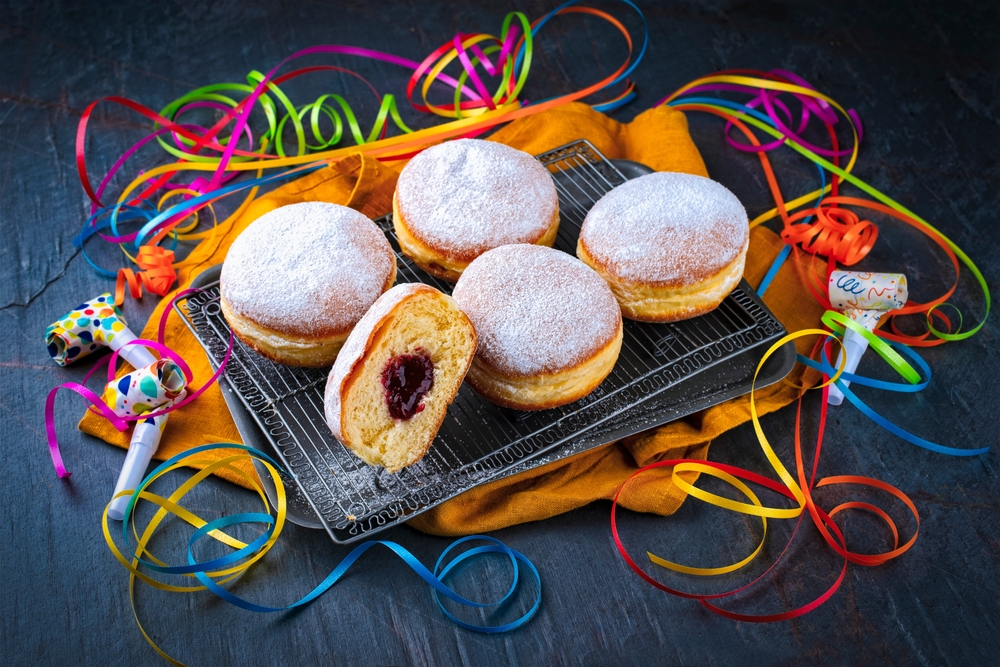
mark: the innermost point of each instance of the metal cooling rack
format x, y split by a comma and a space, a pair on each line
478, 441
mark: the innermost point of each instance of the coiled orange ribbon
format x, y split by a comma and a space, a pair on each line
157, 274
837, 233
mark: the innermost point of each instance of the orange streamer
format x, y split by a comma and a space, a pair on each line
157, 275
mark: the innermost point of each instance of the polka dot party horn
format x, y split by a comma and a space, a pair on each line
145, 389
154, 384
90, 327
864, 298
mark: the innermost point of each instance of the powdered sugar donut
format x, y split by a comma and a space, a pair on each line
549, 327
456, 200
298, 279
670, 245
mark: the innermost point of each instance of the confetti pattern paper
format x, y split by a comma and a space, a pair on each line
146, 389
83, 330
855, 290
866, 318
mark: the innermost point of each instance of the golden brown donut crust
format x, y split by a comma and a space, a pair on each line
312, 352
649, 302
550, 390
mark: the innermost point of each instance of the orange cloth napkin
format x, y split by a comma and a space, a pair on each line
658, 138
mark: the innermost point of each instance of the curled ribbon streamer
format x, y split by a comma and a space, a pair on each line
391, 148
207, 149
157, 275
157, 268
210, 574
180, 231
798, 489
838, 233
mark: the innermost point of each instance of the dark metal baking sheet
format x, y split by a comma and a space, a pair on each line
479, 441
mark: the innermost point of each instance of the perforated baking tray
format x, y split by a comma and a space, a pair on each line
653, 382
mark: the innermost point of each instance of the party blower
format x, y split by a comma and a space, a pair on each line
91, 327
864, 298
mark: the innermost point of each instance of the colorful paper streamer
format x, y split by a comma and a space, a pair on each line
475, 110
795, 488
213, 573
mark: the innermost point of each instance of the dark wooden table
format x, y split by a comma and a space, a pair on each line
925, 78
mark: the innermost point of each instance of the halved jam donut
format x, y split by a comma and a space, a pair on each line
398, 372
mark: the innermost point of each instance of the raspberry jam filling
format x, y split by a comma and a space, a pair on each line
407, 379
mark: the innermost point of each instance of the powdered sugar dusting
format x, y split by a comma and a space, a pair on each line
309, 269
536, 309
667, 228
468, 196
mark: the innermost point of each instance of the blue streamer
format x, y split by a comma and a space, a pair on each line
827, 369
434, 579
773, 271
607, 106
107, 218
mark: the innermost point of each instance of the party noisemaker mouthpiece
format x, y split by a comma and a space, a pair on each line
142, 391
92, 326
145, 441
864, 298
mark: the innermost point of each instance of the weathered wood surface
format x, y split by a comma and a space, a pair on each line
925, 78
